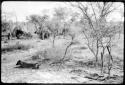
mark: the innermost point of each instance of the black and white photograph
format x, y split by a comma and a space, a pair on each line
60, 42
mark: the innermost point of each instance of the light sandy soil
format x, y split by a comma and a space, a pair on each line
50, 74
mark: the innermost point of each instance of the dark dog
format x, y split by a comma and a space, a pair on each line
22, 64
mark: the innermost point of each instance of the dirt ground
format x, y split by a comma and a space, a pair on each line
70, 73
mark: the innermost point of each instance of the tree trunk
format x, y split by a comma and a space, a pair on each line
96, 55
102, 62
18, 36
109, 62
66, 50
43, 35
64, 35
47, 35
9, 36
109, 67
53, 40
96, 58
109, 51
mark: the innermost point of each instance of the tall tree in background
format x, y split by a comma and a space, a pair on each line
7, 24
39, 22
61, 15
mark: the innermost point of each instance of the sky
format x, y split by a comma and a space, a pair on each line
25, 8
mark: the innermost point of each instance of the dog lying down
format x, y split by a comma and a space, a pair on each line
22, 64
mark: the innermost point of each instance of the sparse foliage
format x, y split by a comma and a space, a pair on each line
83, 36
97, 28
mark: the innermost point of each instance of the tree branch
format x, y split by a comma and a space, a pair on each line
94, 13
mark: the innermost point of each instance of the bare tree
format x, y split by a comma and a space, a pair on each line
72, 35
95, 28
53, 26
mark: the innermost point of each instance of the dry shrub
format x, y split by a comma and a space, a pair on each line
17, 46
75, 42
35, 57
88, 63
58, 53
39, 55
55, 53
83, 47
